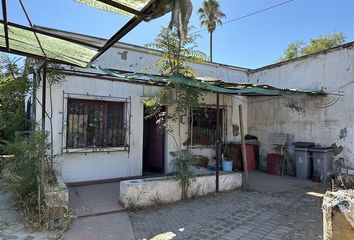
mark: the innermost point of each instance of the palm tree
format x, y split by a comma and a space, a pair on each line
210, 16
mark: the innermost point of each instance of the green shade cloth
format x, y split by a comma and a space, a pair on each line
134, 4
217, 86
25, 42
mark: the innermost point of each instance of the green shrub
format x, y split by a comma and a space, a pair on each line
184, 174
20, 174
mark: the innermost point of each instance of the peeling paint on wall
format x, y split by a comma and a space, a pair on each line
123, 55
343, 133
295, 108
337, 149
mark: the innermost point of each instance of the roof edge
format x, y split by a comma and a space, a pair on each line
274, 65
101, 41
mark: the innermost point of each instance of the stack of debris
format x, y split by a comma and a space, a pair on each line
338, 215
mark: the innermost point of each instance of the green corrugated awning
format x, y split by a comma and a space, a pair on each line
115, 6
24, 42
216, 86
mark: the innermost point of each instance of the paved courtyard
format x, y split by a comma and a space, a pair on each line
94, 199
11, 223
278, 208
275, 208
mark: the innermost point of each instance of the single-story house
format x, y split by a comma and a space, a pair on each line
100, 133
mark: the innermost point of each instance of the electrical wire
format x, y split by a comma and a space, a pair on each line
329, 104
247, 15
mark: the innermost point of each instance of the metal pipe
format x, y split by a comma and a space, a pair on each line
44, 86
6, 30
217, 142
132, 23
119, 35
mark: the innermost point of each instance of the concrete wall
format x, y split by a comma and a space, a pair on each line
324, 120
117, 163
137, 59
112, 163
148, 192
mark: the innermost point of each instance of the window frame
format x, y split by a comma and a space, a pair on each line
107, 101
222, 122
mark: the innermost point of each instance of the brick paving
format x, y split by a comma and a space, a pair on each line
235, 215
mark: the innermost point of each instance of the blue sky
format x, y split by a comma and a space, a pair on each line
252, 42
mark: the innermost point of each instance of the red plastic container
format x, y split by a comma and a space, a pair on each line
273, 163
251, 160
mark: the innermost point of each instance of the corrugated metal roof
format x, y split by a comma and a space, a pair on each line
213, 85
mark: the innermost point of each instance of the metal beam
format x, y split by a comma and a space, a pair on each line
133, 22
4, 49
6, 30
120, 6
119, 35
49, 34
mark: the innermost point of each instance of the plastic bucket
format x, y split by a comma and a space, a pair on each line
227, 166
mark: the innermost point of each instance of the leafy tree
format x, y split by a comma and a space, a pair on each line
300, 48
176, 53
14, 85
210, 16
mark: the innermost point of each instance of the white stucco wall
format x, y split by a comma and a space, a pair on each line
88, 166
137, 59
231, 116
308, 119
75, 167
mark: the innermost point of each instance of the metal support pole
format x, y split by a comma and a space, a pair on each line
6, 29
217, 143
44, 86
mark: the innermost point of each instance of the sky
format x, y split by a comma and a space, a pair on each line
251, 42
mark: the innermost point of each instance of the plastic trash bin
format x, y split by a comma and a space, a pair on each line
274, 163
323, 163
303, 162
251, 160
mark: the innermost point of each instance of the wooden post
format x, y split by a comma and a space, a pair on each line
243, 145
217, 145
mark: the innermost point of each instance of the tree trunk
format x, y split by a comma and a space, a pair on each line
211, 46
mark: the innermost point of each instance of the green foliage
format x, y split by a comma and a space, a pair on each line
20, 174
13, 87
210, 14
176, 53
184, 175
182, 97
55, 75
21, 177
300, 48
